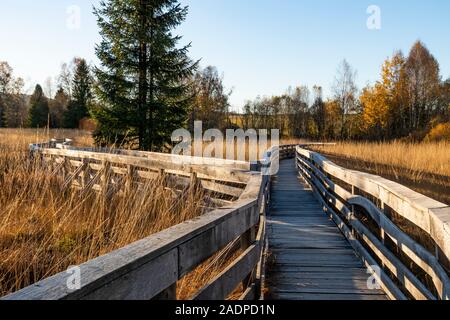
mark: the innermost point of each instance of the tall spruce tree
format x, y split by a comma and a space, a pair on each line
38, 115
77, 108
141, 84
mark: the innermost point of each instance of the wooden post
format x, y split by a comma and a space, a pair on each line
247, 239
194, 180
85, 175
65, 168
162, 175
105, 177
131, 171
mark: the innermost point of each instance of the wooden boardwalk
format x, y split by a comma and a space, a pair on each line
312, 260
310, 257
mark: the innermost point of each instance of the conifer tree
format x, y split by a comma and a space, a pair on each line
77, 108
58, 107
141, 87
38, 115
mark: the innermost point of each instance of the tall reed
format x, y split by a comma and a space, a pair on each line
45, 228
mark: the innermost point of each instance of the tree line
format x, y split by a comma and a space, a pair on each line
409, 101
65, 109
146, 86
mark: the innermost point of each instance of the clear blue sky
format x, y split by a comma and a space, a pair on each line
261, 46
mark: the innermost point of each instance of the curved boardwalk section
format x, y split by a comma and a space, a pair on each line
311, 258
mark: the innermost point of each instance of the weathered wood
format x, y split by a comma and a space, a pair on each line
303, 239
107, 276
181, 159
247, 239
222, 285
427, 261
249, 293
406, 277
411, 205
203, 171
327, 296
222, 188
311, 166
201, 247
74, 176
386, 283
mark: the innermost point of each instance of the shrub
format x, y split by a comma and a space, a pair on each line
441, 132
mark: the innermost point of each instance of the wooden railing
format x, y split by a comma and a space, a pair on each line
363, 206
150, 268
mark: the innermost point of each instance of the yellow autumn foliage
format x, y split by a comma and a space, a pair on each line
441, 132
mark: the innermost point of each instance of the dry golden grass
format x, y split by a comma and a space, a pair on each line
207, 271
45, 228
19, 139
424, 167
418, 158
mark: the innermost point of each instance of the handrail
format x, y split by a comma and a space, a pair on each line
431, 216
151, 267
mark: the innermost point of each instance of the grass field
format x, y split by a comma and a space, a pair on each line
45, 228
423, 167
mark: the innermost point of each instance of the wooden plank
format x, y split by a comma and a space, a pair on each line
345, 286
411, 283
308, 249
387, 284
103, 270
138, 283
199, 248
222, 285
319, 269
281, 236
322, 276
204, 171
313, 296
249, 294
302, 231
325, 252
417, 208
277, 244
428, 262
221, 188
405, 276
181, 159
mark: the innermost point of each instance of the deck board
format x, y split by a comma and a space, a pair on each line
311, 258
